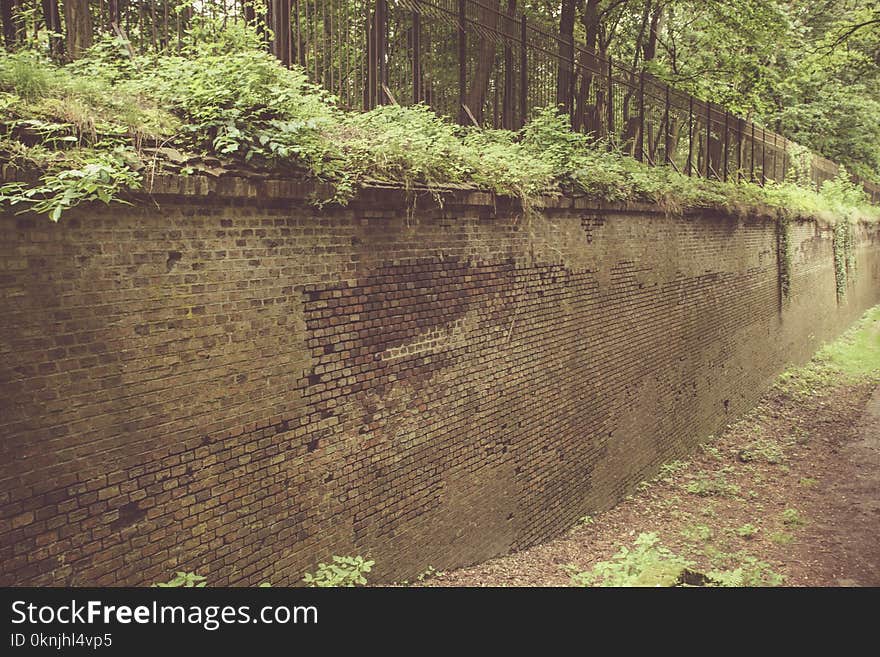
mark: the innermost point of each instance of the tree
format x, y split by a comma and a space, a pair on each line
78, 25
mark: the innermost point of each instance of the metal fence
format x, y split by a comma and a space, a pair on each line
473, 61
482, 63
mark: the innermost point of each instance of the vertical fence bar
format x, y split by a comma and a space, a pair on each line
708, 135
381, 49
775, 150
752, 158
370, 86
784, 158
641, 139
611, 134
462, 61
523, 73
507, 121
726, 143
667, 137
763, 156
690, 161
417, 56
740, 128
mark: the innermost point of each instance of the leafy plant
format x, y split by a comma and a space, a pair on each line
763, 450
185, 580
793, 518
648, 564
101, 177
718, 485
344, 571
428, 573
697, 533
751, 572
781, 538
746, 531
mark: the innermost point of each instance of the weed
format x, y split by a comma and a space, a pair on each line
716, 486
746, 531
709, 511
428, 573
763, 450
697, 533
808, 482
221, 95
184, 580
750, 573
344, 571
672, 468
648, 564
793, 518
781, 538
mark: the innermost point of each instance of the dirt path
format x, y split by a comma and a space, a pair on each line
850, 528
788, 495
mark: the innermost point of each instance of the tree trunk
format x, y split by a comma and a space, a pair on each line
79, 27
12, 26
113, 11
591, 20
53, 25
656, 27
565, 72
476, 95
280, 24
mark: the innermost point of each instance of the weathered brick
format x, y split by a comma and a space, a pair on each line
430, 389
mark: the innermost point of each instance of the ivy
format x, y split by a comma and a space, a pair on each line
843, 256
783, 248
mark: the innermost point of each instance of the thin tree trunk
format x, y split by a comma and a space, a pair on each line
53, 25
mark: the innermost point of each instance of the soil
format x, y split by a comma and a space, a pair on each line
794, 487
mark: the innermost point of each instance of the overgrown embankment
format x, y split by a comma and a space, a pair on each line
95, 129
785, 496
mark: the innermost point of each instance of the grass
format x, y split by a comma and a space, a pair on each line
857, 353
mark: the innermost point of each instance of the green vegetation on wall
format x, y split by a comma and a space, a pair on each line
783, 255
96, 128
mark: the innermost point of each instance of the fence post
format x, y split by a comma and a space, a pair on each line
667, 138
763, 156
372, 60
507, 120
690, 162
726, 143
784, 158
381, 47
708, 136
610, 103
462, 61
417, 56
775, 152
752, 158
523, 74
640, 142
740, 128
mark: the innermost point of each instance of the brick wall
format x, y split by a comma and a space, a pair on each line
237, 384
